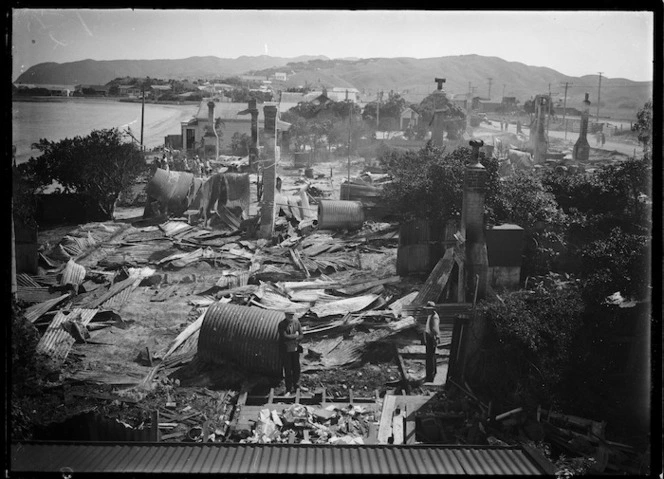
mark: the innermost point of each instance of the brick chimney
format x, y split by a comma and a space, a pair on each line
253, 149
210, 138
472, 223
211, 114
581, 147
269, 162
538, 137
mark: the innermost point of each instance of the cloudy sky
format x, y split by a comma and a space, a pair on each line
619, 44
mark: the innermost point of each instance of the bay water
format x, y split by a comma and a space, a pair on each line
58, 119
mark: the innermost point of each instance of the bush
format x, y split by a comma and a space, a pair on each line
101, 164
528, 343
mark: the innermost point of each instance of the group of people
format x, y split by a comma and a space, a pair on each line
193, 165
601, 138
504, 124
290, 337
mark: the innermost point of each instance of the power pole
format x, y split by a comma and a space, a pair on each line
565, 108
599, 90
548, 117
142, 115
503, 92
350, 118
490, 80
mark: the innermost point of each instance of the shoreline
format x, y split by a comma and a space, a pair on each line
63, 99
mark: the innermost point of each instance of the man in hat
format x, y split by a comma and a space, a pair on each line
290, 335
431, 338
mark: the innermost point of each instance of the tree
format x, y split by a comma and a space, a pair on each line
429, 183
522, 199
101, 165
454, 118
528, 345
240, 144
643, 126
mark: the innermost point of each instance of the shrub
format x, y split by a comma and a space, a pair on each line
527, 345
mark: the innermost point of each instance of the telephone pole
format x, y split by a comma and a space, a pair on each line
599, 90
142, 115
378, 98
565, 108
490, 80
503, 92
548, 117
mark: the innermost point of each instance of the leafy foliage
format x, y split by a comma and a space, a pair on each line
100, 164
388, 113
429, 183
643, 125
522, 199
528, 343
454, 118
240, 144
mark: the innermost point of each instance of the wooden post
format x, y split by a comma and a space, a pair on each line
269, 172
154, 426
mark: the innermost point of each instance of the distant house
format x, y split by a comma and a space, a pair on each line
288, 100
460, 100
131, 91
409, 118
54, 90
343, 94
280, 76
489, 106
157, 90
95, 90
233, 121
509, 103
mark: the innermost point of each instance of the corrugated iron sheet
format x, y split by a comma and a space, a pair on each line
333, 214
435, 283
243, 334
31, 294
24, 279
36, 310
72, 274
155, 458
171, 189
57, 342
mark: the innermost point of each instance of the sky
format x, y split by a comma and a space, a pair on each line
619, 44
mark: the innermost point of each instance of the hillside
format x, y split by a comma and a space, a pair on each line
414, 78
620, 98
101, 72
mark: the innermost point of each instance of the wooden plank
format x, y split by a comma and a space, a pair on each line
397, 429
437, 280
409, 425
404, 373
270, 397
385, 428
365, 285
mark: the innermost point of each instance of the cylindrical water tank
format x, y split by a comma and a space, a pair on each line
337, 214
245, 335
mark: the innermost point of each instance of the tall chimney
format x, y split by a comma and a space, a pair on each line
269, 162
211, 138
581, 147
253, 150
472, 223
538, 138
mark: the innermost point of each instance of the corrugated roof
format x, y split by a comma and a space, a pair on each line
159, 458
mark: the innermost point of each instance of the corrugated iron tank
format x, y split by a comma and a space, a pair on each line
171, 189
505, 245
245, 335
421, 245
337, 214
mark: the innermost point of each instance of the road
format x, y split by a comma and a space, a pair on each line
609, 146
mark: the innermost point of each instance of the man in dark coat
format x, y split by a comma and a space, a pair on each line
431, 338
290, 335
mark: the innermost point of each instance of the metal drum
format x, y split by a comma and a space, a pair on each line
245, 335
337, 214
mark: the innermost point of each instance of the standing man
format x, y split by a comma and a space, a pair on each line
290, 335
431, 338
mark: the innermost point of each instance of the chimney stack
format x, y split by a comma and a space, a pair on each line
581, 150
269, 162
253, 150
210, 138
538, 137
472, 223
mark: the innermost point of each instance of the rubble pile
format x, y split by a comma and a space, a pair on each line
299, 423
